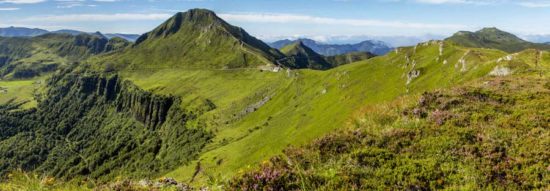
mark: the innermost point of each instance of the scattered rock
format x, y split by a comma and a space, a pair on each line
462, 61
506, 58
168, 181
270, 68
145, 183
441, 44
412, 75
500, 71
256, 106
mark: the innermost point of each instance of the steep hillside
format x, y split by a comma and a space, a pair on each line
306, 108
196, 39
495, 39
99, 126
303, 57
347, 58
492, 134
26, 62
375, 47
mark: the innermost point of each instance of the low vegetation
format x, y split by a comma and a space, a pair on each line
490, 135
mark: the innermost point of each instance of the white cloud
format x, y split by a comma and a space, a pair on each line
22, 1
9, 8
293, 18
535, 4
97, 17
523, 3
473, 2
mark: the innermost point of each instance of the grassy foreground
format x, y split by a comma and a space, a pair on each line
493, 134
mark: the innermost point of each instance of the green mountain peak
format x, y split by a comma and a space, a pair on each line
198, 38
305, 57
197, 17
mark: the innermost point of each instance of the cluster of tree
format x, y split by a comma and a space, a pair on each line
98, 126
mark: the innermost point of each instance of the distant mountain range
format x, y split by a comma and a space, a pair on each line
392, 41
21, 32
372, 46
32, 32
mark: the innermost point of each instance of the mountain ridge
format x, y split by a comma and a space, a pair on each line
372, 46
492, 37
33, 32
27, 57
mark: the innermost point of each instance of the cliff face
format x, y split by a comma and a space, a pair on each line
149, 109
93, 123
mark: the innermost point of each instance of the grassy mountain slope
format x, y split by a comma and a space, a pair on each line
30, 57
21, 91
495, 39
196, 39
307, 108
26, 62
304, 57
491, 134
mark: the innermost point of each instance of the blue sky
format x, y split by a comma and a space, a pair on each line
272, 19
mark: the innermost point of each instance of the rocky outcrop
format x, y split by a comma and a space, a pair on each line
150, 109
413, 74
97, 122
500, 71
93, 43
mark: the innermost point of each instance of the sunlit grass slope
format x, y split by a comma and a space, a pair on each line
306, 104
20, 91
489, 134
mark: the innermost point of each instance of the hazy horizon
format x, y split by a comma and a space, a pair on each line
323, 19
